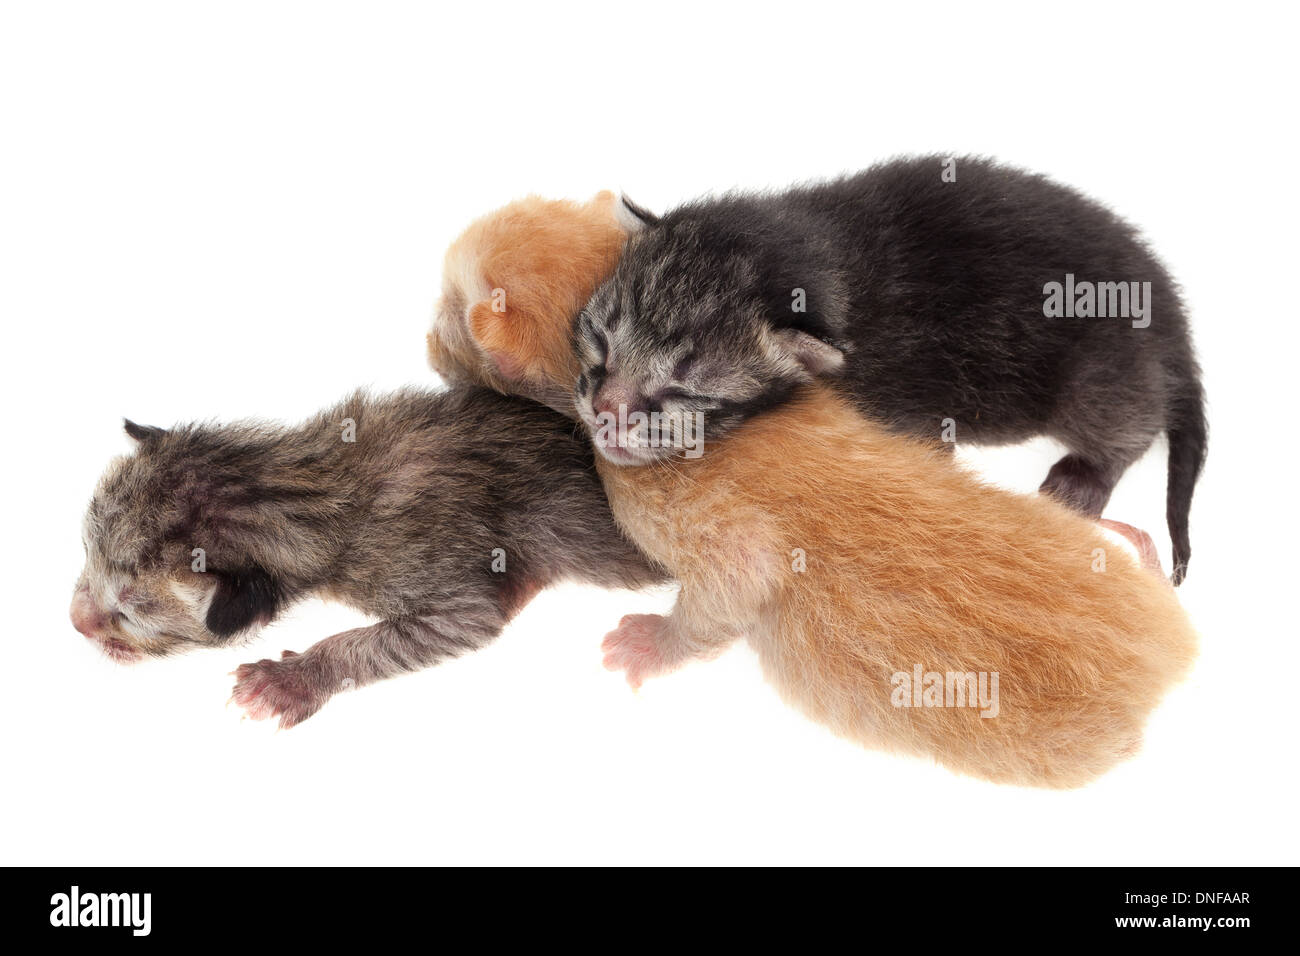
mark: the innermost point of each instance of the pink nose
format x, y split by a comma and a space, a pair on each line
612, 395
86, 617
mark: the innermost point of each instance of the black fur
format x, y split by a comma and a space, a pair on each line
242, 599
934, 293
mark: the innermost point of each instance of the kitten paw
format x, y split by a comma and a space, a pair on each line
636, 647
282, 689
1141, 541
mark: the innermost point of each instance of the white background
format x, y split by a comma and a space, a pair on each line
238, 209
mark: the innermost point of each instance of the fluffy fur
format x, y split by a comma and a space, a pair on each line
528, 266
925, 299
846, 554
908, 561
417, 521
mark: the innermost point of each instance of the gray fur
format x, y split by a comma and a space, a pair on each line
401, 523
924, 298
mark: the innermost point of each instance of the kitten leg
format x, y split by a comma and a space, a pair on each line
646, 645
1146, 548
1080, 484
296, 686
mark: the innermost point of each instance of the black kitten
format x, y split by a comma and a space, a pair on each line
951, 298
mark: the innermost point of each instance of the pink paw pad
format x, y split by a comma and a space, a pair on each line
635, 647
1141, 541
280, 689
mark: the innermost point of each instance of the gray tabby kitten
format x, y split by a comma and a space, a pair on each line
397, 506
999, 304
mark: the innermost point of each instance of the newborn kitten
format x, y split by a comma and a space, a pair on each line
396, 506
855, 561
532, 264
848, 556
926, 299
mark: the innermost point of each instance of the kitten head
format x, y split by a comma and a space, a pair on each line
512, 284
173, 559
700, 327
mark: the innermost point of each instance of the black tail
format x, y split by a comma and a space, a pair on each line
1187, 439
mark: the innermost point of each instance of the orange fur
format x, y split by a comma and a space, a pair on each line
511, 281
907, 560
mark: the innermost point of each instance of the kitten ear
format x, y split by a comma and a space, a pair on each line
143, 434
242, 599
814, 355
502, 337
633, 217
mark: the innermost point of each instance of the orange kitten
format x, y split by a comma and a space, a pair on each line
512, 277
850, 558
888, 593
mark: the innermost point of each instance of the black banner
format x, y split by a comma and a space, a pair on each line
936, 907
